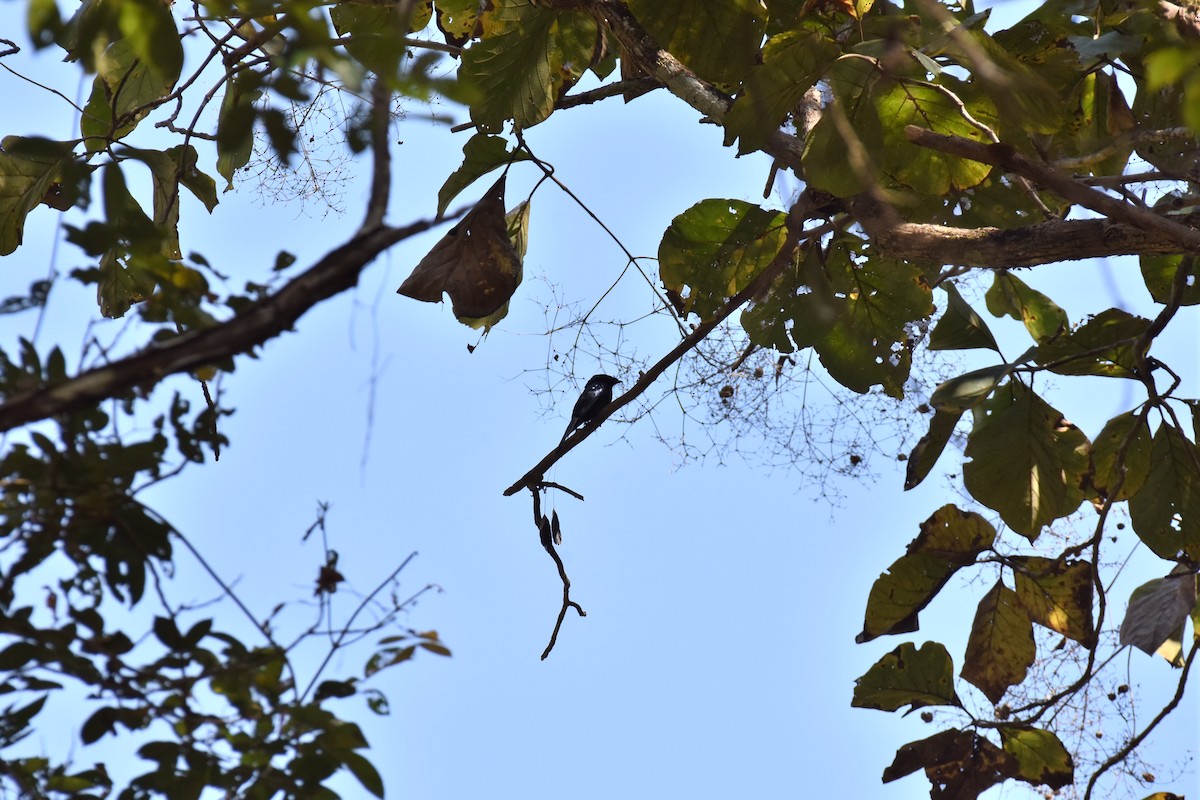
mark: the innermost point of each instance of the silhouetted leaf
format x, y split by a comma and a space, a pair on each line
1001, 646
908, 677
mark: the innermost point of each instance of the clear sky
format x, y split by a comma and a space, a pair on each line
717, 659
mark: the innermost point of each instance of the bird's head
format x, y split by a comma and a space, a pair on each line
597, 382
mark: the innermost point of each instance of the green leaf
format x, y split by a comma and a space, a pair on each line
792, 63
1057, 595
481, 155
28, 169
930, 447
1121, 454
935, 108
377, 34
1166, 512
365, 771
123, 92
1104, 346
908, 677
1041, 757
719, 40
825, 159
1001, 646
1026, 461
859, 323
1023, 97
235, 124
149, 29
968, 390
1156, 613
458, 19
949, 540
529, 57
717, 247
1159, 274
960, 327
1010, 296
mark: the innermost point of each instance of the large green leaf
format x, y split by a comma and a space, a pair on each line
854, 311
792, 63
1011, 296
29, 168
1041, 757
1001, 646
1121, 454
719, 40
124, 89
908, 677
1104, 345
960, 327
927, 451
149, 30
1166, 512
1158, 272
859, 324
949, 540
715, 248
937, 108
1026, 461
235, 125
1057, 595
825, 159
527, 60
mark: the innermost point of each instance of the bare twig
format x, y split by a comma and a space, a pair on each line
543, 526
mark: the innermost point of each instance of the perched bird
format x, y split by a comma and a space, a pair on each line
596, 395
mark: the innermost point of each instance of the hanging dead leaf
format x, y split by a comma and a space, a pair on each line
475, 263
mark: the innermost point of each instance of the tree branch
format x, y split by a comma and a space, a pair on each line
1007, 158
333, 274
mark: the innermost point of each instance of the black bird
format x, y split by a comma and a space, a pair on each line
596, 395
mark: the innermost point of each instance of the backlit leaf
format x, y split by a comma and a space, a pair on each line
1166, 512
908, 677
1041, 757
717, 39
1026, 461
1057, 595
714, 249
949, 540
1001, 646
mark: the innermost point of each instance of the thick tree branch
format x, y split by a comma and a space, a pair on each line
678, 79
1004, 248
1006, 157
333, 274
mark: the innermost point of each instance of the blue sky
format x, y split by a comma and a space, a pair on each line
717, 658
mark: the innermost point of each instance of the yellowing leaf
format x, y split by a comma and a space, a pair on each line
1001, 646
1057, 595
